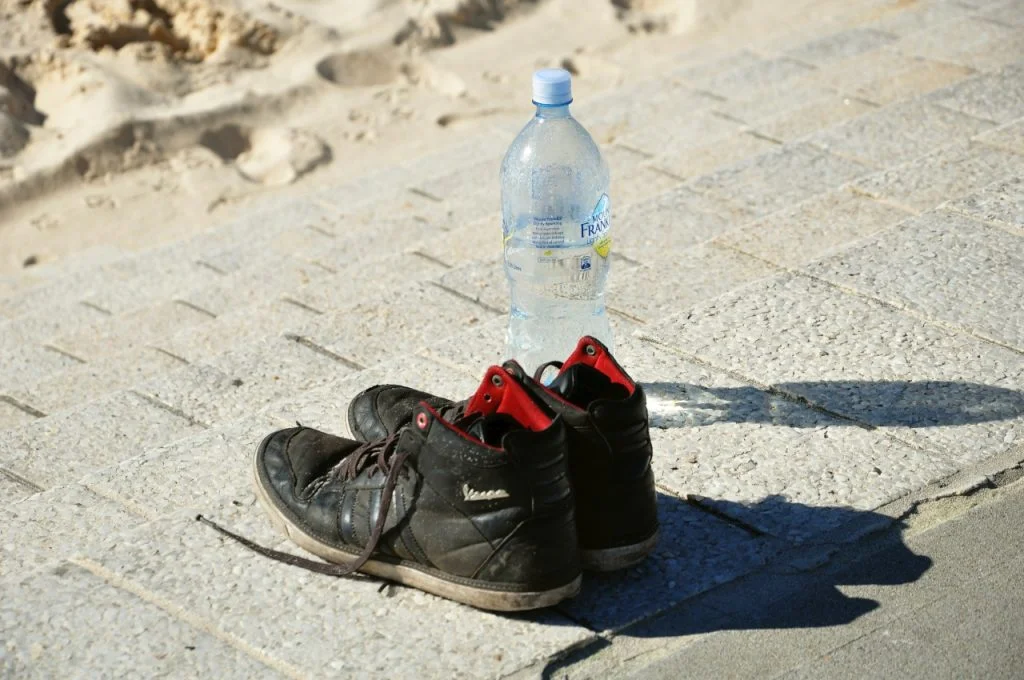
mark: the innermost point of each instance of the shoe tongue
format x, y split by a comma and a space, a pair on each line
491, 430
501, 393
582, 384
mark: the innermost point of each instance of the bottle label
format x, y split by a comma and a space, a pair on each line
595, 228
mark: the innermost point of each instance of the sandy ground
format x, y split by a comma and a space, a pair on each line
131, 122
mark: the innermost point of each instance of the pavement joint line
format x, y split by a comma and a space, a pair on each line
995, 123
857, 191
769, 389
318, 263
625, 315
214, 269
662, 171
170, 354
309, 344
709, 94
94, 306
700, 503
465, 297
760, 135
64, 352
995, 224
195, 308
22, 406
18, 479
301, 305
870, 165
995, 22
131, 506
430, 258
320, 230
425, 194
176, 611
632, 149
725, 116
627, 259
192, 420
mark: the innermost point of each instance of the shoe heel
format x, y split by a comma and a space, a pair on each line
622, 557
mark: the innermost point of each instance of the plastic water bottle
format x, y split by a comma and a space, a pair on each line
557, 230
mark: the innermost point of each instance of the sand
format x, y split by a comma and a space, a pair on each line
127, 123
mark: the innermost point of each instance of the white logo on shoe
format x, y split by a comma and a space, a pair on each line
471, 494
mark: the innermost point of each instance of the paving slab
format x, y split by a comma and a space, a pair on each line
44, 324
200, 472
391, 324
69, 622
652, 231
463, 242
817, 115
978, 44
235, 329
278, 274
100, 433
1006, 13
27, 364
1009, 136
359, 280
231, 384
778, 178
998, 97
84, 382
695, 274
819, 225
693, 161
899, 132
678, 125
762, 73
948, 173
134, 330
945, 266
902, 18
885, 76
841, 45
45, 529
1001, 202
939, 389
775, 100
325, 625
695, 552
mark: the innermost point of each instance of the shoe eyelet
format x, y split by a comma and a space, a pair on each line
487, 397
496, 379
421, 421
591, 350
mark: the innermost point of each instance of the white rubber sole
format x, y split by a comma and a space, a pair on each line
623, 557
475, 596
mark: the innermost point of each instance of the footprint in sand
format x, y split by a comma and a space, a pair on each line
360, 68
268, 156
369, 68
13, 136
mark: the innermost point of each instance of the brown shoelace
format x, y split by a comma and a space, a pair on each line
386, 458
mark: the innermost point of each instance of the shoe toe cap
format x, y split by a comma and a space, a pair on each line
289, 461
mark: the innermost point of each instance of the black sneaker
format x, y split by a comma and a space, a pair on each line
609, 446
479, 510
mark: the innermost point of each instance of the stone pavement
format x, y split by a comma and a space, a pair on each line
818, 276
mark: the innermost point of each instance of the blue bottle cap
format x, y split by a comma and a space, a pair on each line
552, 86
